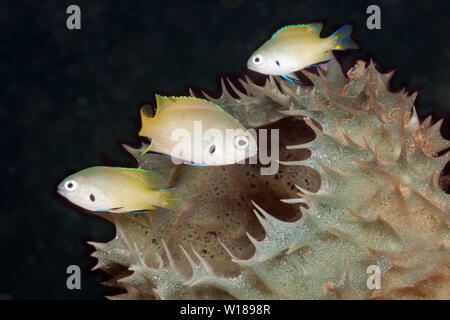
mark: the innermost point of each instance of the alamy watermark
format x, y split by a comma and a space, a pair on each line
74, 279
374, 278
374, 20
215, 146
73, 21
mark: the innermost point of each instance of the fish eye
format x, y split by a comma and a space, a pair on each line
241, 142
92, 197
212, 149
277, 62
258, 59
70, 185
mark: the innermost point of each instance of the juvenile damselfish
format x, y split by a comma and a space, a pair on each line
196, 131
296, 47
120, 190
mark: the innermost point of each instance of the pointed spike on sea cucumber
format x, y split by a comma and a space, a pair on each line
205, 264
293, 163
96, 245
248, 90
435, 130
99, 265
294, 113
135, 268
338, 233
225, 92
249, 81
233, 257
261, 220
166, 250
261, 210
252, 240
293, 247
299, 146
350, 141
414, 120
208, 97
272, 81
329, 170
426, 123
138, 255
386, 77
295, 201
189, 258
311, 124
357, 216
304, 191
160, 261
411, 98
322, 74
403, 157
240, 94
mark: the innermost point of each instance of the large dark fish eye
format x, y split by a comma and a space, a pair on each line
92, 197
277, 62
212, 149
70, 185
257, 59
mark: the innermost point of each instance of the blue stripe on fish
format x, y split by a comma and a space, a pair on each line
168, 189
316, 65
163, 207
287, 78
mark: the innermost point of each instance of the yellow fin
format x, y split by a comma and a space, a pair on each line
149, 178
165, 199
146, 120
299, 29
163, 102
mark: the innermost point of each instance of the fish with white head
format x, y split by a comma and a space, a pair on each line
196, 131
115, 189
296, 47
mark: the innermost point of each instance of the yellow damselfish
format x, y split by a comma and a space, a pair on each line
296, 47
121, 190
196, 131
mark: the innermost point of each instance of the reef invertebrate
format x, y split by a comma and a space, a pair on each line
359, 180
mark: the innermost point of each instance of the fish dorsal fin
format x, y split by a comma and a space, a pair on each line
163, 103
299, 29
147, 177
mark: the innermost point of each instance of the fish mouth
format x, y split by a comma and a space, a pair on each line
60, 190
250, 66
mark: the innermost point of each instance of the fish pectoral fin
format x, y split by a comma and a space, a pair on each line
141, 211
113, 210
293, 76
291, 80
318, 64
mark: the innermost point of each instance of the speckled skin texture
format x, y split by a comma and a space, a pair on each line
359, 180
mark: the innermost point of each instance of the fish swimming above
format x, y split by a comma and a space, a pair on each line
115, 189
296, 47
196, 131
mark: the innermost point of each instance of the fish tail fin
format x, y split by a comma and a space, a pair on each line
341, 38
165, 199
147, 119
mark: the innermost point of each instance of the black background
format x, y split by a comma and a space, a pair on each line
69, 98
